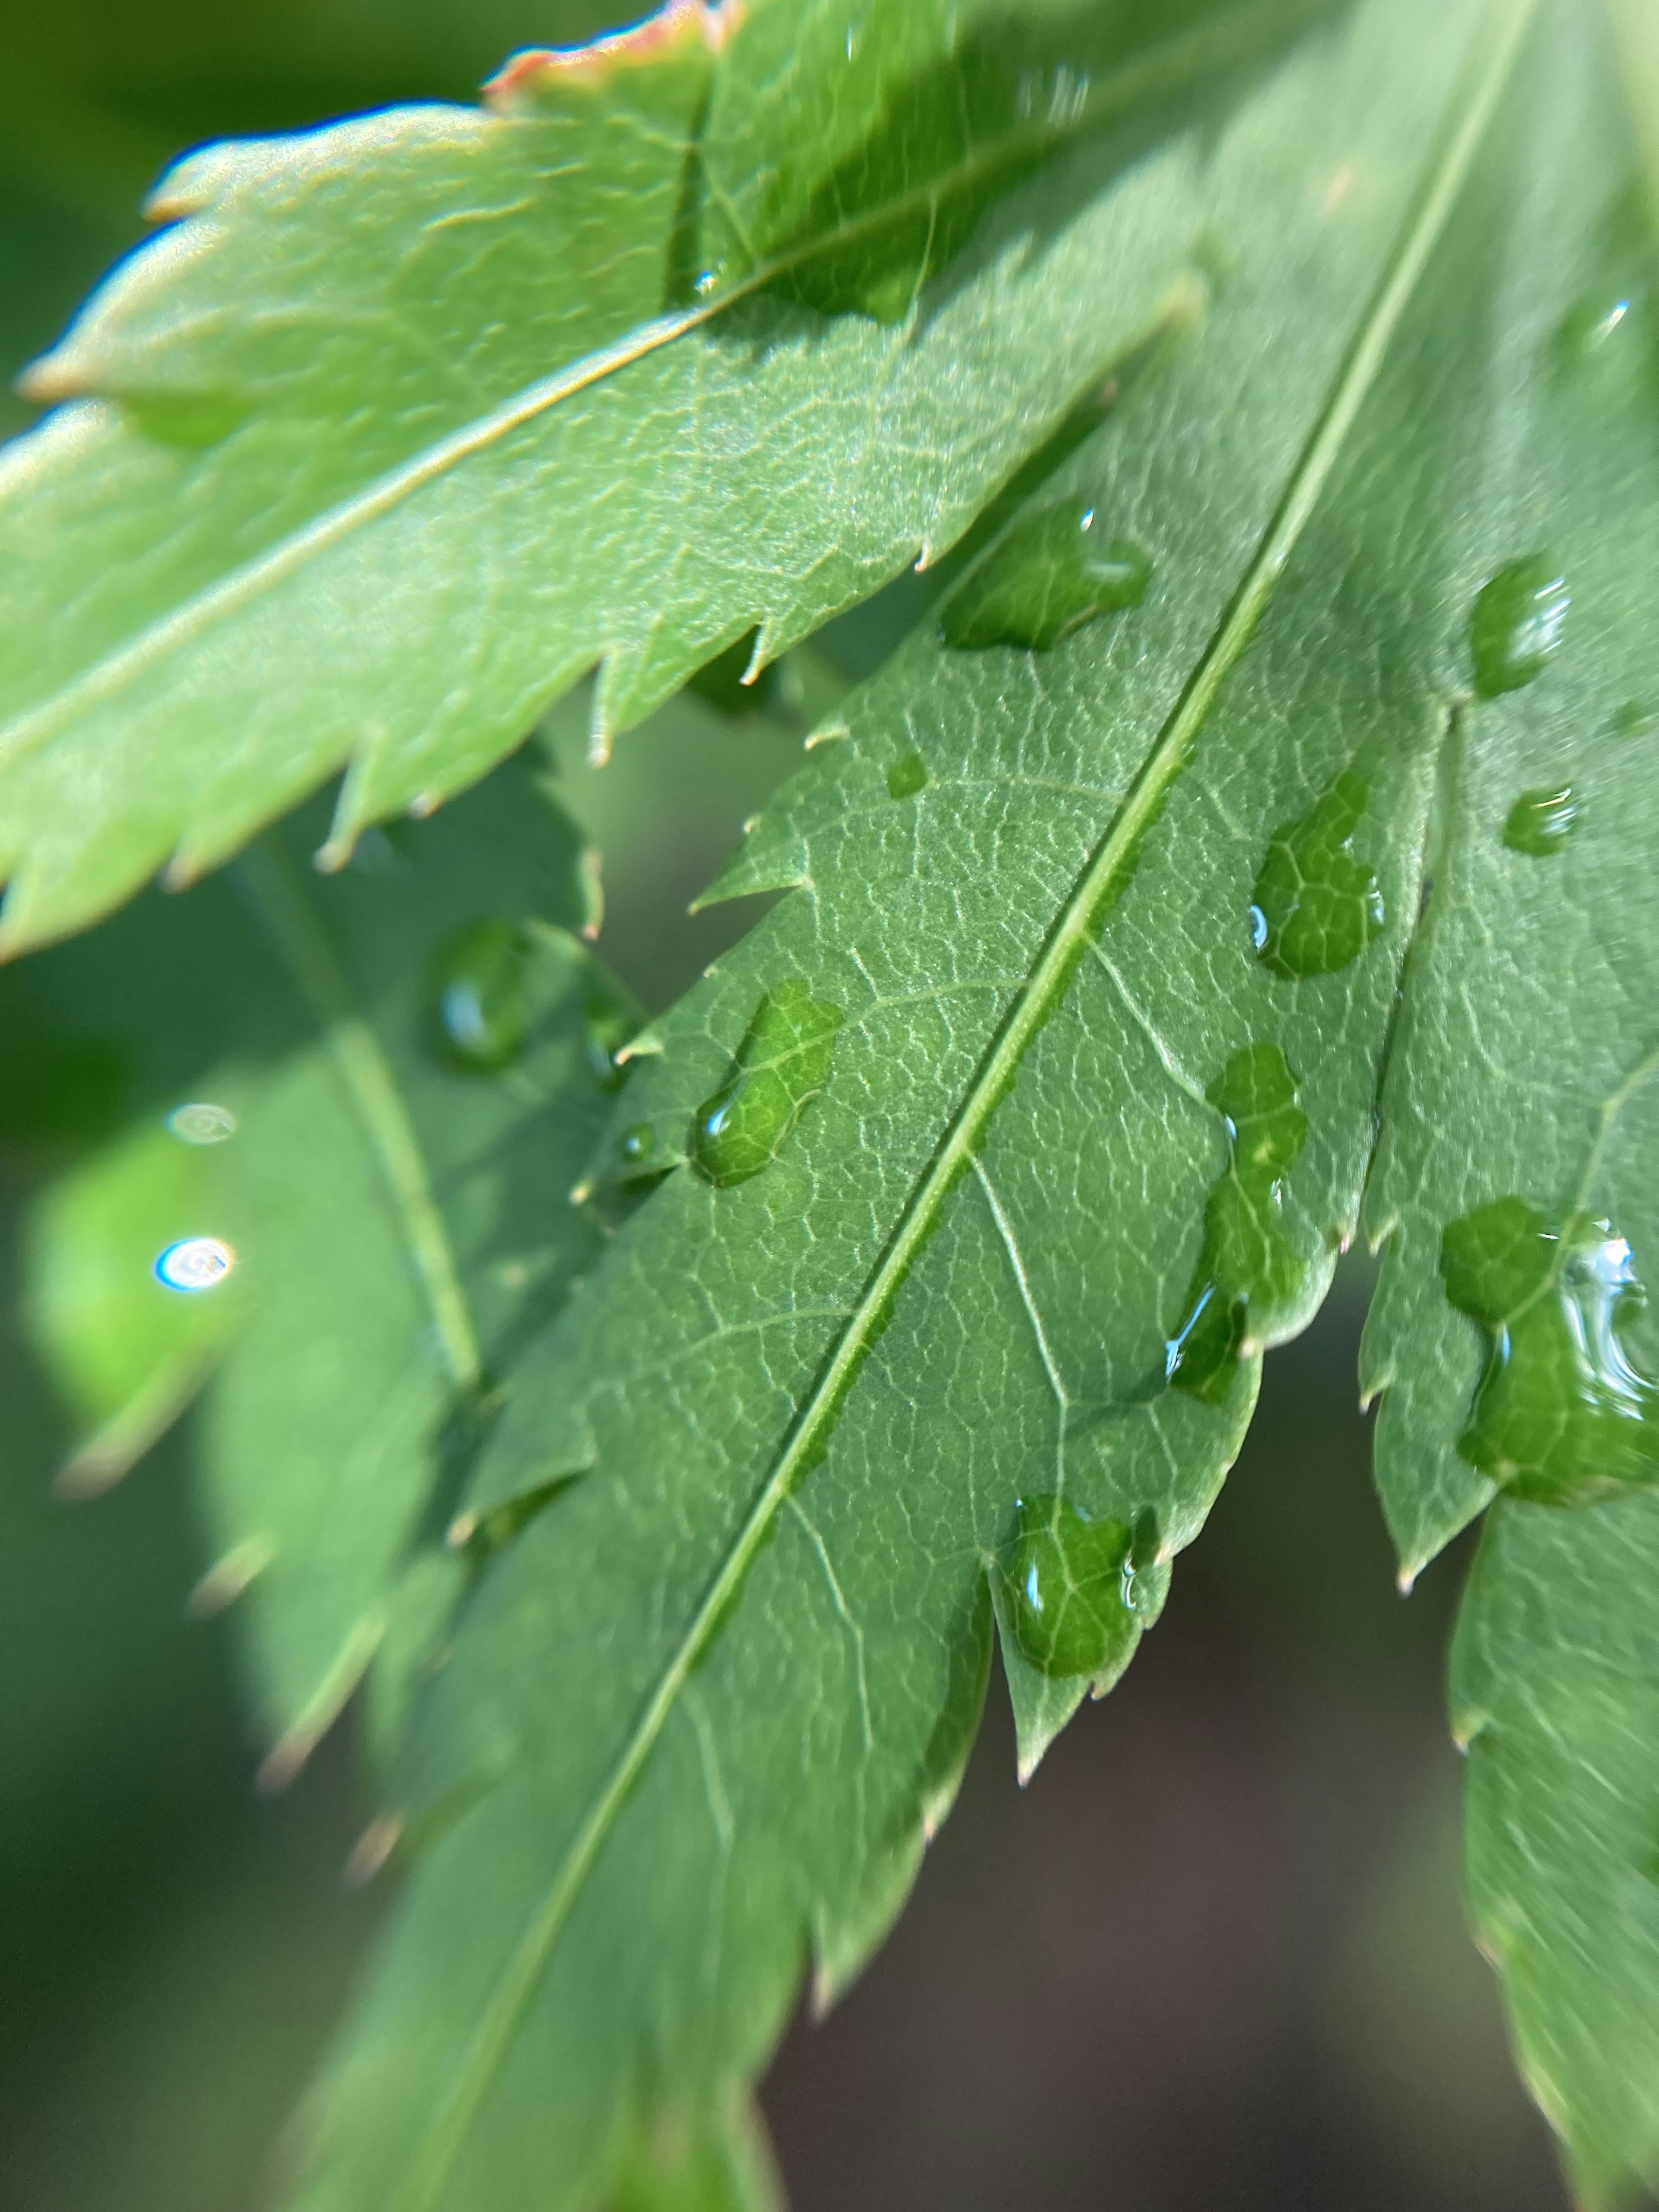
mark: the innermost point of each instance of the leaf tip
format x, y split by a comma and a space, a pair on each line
226, 1580
372, 1850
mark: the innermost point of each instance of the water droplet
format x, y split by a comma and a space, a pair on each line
1068, 1589
1587, 325
1248, 1264
1316, 906
477, 991
606, 1027
1516, 630
200, 1122
1540, 822
637, 1143
1560, 1416
195, 1263
1634, 719
1054, 571
907, 777
782, 1062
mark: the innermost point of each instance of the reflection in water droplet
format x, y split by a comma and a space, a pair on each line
782, 1062
1053, 571
1516, 630
476, 994
1634, 719
200, 1122
1316, 907
195, 1263
637, 1143
907, 777
1560, 1415
1248, 1264
1540, 822
1069, 1589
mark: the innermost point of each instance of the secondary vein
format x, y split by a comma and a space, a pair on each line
375, 1094
1104, 878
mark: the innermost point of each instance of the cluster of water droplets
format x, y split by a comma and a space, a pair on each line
1561, 1415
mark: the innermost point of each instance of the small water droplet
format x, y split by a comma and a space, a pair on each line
200, 1122
1316, 906
606, 1027
1634, 719
1055, 570
1540, 822
1587, 325
782, 1063
195, 1263
1516, 627
907, 777
1068, 1589
477, 996
1248, 1264
637, 1144
1560, 1416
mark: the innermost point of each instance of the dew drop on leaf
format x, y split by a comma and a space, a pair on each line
1587, 325
637, 1143
1540, 822
201, 1122
1316, 906
1069, 1589
1516, 629
782, 1062
1560, 1415
1055, 570
477, 991
195, 1263
606, 1027
1248, 1264
907, 777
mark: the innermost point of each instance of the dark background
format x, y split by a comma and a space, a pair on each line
1211, 1958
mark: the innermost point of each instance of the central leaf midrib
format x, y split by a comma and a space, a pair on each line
1105, 873
1164, 69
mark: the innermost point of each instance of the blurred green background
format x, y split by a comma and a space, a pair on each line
1212, 1958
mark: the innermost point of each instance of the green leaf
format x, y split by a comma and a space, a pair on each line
406, 423
306, 1097
1555, 1693
701, 1717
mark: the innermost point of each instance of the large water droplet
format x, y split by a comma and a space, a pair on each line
907, 777
1540, 822
1069, 1589
201, 1122
782, 1062
1055, 570
1560, 1415
1516, 630
1316, 906
477, 993
195, 1263
1248, 1264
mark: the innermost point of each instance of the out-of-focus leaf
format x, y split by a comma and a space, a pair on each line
370, 1095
